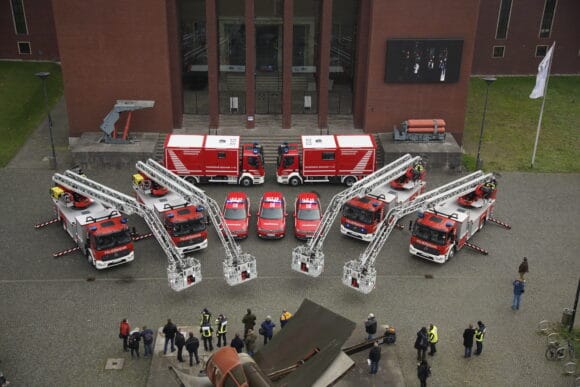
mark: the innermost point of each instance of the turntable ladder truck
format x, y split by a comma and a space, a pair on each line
182, 273
309, 258
238, 267
360, 274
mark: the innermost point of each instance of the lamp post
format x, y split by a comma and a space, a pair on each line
488, 81
43, 75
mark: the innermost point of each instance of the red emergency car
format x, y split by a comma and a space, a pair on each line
307, 215
237, 214
272, 216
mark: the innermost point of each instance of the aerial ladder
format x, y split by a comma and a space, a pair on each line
309, 258
122, 105
238, 267
182, 272
360, 274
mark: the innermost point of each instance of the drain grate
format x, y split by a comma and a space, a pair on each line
114, 364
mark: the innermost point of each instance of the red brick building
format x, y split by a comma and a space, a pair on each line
379, 61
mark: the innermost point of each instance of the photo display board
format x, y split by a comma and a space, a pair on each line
423, 60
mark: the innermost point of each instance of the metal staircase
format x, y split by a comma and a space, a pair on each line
238, 267
361, 274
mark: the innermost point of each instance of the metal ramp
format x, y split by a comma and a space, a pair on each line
238, 267
182, 273
309, 258
361, 274
122, 105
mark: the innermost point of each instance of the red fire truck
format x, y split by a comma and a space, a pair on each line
214, 159
442, 231
362, 216
185, 223
100, 233
331, 158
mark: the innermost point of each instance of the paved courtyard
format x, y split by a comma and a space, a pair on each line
59, 317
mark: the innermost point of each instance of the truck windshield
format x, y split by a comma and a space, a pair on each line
357, 214
428, 234
188, 227
272, 213
235, 214
254, 161
108, 241
311, 214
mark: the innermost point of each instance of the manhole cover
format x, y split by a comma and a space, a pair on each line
114, 364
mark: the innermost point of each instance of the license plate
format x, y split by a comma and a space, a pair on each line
271, 235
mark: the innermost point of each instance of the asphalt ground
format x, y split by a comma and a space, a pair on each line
58, 327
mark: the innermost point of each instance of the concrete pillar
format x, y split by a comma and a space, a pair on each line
250, 66
361, 65
212, 63
287, 64
324, 62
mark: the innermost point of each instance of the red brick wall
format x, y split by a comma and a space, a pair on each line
115, 50
41, 32
523, 37
390, 103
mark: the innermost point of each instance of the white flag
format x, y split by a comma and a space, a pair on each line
542, 76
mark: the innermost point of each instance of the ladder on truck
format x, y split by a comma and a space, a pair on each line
309, 258
238, 267
182, 272
360, 274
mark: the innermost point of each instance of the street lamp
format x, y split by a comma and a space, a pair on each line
488, 81
43, 75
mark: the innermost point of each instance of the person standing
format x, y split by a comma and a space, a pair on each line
267, 329
124, 329
523, 268
147, 335
221, 330
179, 343
421, 343
205, 317
479, 336
374, 357
237, 343
206, 332
192, 345
134, 339
468, 334
249, 321
250, 342
433, 339
423, 372
169, 331
519, 286
284, 318
371, 326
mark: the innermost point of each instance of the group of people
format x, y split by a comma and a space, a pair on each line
175, 339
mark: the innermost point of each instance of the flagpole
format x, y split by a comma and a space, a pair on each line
542, 108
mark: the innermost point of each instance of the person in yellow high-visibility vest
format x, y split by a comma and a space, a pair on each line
479, 336
284, 318
433, 339
222, 329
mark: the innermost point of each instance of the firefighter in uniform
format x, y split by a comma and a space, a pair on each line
205, 317
221, 329
479, 336
206, 332
417, 171
433, 339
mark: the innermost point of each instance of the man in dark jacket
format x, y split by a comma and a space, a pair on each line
371, 326
249, 321
421, 344
169, 331
237, 343
134, 339
423, 372
374, 357
147, 336
179, 343
192, 345
267, 329
523, 268
468, 334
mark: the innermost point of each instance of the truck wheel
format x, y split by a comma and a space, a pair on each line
349, 181
294, 181
191, 179
451, 253
246, 182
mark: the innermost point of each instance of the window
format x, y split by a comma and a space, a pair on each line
327, 155
541, 51
221, 155
24, 48
498, 51
548, 18
19, 17
503, 19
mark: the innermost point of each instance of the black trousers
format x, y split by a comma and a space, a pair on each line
135, 350
191, 354
433, 349
421, 353
220, 336
478, 347
208, 343
180, 353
